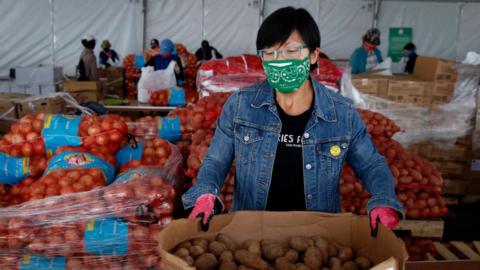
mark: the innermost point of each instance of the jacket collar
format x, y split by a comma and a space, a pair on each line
324, 107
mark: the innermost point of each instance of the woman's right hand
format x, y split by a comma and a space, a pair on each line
204, 208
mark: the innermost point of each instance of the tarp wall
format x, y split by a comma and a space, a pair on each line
445, 29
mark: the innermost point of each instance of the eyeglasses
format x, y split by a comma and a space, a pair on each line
289, 53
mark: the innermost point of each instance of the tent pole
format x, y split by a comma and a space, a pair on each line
261, 12
376, 12
53, 38
457, 36
144, 32
203, 19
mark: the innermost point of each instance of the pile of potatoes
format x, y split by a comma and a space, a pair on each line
302, 253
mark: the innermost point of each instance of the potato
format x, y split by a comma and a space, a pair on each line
313, 258
363, 263
186, 244
253, 246
325, 268
243, 267
345, 254
316, 237
282, 263
200, 242
310, 242
332, 250
196, 251
271, 250
335, 262
250, 260
182, 252
298, 243
292, 255
226, 256
226, 240
322, 244
301, 266
206, 261
350, 266
228, 266
216, 248
189, 260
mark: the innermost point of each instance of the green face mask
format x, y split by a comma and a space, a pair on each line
287, 75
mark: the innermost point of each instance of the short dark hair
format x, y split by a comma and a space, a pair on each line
280, 24
410, 46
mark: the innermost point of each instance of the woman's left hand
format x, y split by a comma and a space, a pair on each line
387, 216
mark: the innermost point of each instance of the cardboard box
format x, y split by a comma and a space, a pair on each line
453, 169
410, 90
82, 91
443, 88
111, 81
7, 102
46, 105
476, 132
434, 69
371, 84
454, 186
46, 75
456, 152
386, 250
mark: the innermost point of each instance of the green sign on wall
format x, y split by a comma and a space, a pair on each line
398, 37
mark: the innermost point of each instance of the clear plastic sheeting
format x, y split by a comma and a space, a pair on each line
113, 227
441, 125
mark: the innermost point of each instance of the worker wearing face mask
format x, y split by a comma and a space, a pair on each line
290, 136
368, 55
410, 54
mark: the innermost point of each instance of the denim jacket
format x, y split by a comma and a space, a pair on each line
248, 131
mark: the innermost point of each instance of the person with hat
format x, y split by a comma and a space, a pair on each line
368, 55
165, 56
87, 65
107, 54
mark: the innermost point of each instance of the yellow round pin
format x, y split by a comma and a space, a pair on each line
335, 150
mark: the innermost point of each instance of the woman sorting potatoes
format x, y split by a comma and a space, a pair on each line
290, 137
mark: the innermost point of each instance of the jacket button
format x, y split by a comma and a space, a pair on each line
344, 145
308, 166
306, 135
309, 196
246, 138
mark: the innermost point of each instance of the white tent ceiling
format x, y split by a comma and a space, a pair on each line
39, 32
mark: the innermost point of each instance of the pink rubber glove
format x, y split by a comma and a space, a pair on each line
205, 205
388, 217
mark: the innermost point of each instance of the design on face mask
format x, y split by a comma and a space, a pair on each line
287, 75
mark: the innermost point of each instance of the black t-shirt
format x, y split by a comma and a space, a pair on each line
286, 188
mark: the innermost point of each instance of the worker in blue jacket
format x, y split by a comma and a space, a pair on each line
167, 54
367, 56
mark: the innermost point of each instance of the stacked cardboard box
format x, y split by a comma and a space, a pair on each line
18, 107
111, 81
430, 85
82, 91
371, 84
473, 187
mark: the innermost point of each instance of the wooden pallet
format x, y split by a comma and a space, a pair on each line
454, 255
423, 228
